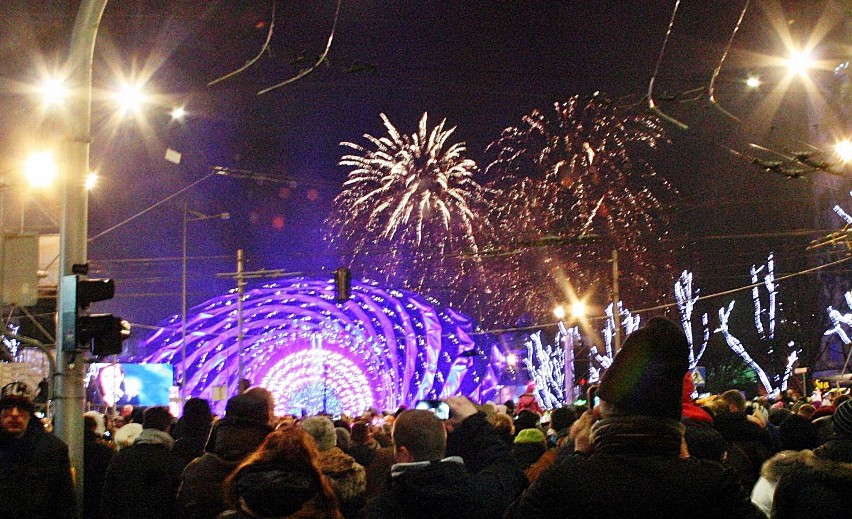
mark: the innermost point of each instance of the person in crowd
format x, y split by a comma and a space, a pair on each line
811, 486
35, 470
232, 439
763, 493
376, 460
561, 420
505, 427
528, 401
797, 433
347, 478
632, 459
142, 479
839, 445
132, 428
343, 438
702, 440
97, 455
529, 446
281, 479
749, 444
469, 472
261, 393
824, 424
527, 419
193, 429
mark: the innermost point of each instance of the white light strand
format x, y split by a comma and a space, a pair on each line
738, 348
686, 300
838, 320
546, 366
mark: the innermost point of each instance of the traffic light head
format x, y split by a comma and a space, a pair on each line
93, 290
103, 333
342, 285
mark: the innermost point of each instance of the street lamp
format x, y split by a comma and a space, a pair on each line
189, 215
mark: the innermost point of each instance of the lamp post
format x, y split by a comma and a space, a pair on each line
189, 215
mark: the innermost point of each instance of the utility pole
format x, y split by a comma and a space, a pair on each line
73, 233
616, 311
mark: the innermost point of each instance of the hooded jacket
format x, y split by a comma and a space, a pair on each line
347, 478
634, 471
814, 487
201, 495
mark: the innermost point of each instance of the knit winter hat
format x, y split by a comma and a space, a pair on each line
248, 408
17, 394
646, 376
322, 430
842, 419
531, 436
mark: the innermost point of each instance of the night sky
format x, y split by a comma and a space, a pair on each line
480, 65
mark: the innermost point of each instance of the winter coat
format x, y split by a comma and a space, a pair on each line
191, 446
763, 492
478, 479
96, 458
838, 448
814, 487
142, 479
201, 495
749, 445
347, 478
635, 471
35, 475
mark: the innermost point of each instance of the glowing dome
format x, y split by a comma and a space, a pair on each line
382, 348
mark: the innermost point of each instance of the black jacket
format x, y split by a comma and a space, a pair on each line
814, 487
142, 480
96, 458
480, 484
201, 495
635, 472
35, 475
749, 445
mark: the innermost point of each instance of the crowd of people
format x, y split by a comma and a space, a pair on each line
648, 449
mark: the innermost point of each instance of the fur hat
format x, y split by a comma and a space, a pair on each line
248, 408
322, 431
17, 394
842, 419
646, 376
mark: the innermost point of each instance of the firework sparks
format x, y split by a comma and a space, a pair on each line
408, 202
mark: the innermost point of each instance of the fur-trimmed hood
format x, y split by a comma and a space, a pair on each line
786, 461
346, 476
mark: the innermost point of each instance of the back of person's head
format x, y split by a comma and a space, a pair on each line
322, 431
646, 375
281, 478
842, 419
90, 424
527, 420
95, 422
360, 433
561, 418
734, 400
806, 411
137, 414
157, 417
264, 394
248, 407
342, 441
196, 414
839, 399
421, 433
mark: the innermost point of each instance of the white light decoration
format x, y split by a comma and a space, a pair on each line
839, 321
629, 323
686, 304
546, 365
769, 283
738, 348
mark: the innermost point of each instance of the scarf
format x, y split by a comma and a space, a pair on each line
637, 436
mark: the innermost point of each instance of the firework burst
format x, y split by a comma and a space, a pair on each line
409, 202
577, 173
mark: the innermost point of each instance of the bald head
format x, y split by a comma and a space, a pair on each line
421, 433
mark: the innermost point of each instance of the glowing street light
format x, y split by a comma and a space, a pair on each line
578, 309
40, 169
91, 180
130, 99
753, 82
178, 113
799, 62
53, 91
843, 149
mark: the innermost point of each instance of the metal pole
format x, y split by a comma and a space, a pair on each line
616, 313
183, 311
70, 396
241, 285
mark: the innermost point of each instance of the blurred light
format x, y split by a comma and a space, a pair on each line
40, 169
178, 113
91, 180
578, 309
753, 82
559, 312
130, 98
53, 91
799, 62
844, 150
512, 359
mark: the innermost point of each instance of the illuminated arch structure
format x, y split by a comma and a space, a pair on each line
383, 348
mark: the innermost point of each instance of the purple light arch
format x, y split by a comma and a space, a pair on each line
383, 348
